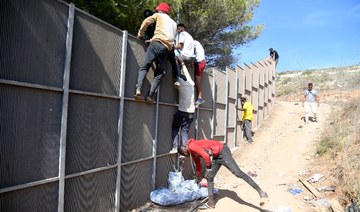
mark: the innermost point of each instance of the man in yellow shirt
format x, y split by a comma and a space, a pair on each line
247, 117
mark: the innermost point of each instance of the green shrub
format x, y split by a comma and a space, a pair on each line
324, 146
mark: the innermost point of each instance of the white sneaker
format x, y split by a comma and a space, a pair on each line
173, 151
177, 84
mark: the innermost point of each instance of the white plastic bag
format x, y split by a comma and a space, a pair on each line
174, 180
179, 191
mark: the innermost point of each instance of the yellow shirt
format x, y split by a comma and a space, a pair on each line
248, 111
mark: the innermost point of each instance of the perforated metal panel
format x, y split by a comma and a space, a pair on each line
92, 133
96, 56
207, 89
220, 127
30, 128
164, 140
91, 192
164, 165
138, 131
248, 77
231, 113
204, 120
33, 34
135, 184
220, 87
41, 198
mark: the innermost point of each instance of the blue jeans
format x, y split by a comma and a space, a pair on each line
181, 122
158, 53
225, 158
174, 66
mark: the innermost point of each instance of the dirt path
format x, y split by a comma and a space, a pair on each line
282, 150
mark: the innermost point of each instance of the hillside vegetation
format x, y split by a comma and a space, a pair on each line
338, 151
291, 85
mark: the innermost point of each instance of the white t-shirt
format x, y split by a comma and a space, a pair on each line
310, 96
188, 44
199, 51
186, 93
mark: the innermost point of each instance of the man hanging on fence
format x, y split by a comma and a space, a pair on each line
185, 114
184, 47
215, 154
161, 43
247, 117
199, 66
274, 56
149, 33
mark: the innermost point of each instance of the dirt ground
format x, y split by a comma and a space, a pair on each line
282, 153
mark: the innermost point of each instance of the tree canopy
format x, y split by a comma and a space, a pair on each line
219, 25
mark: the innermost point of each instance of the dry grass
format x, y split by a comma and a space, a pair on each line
339, 149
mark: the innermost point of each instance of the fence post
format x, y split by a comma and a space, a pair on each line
66, 82
120, 119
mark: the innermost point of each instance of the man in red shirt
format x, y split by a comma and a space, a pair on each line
216, 154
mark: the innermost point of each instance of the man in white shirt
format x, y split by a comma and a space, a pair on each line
310, 100
184, 48
185, 114
199, 67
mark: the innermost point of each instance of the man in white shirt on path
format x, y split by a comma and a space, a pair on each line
310, 100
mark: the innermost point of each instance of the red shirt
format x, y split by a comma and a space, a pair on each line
203, 149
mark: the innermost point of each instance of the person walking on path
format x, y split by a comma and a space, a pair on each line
274, 56
160, 44
247, 117
215, 154
199, 67
185, 114
310, 100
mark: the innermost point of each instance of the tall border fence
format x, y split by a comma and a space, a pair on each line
72, 138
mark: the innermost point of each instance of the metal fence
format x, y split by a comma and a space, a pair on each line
72, 137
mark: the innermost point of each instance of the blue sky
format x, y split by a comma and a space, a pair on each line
307, 34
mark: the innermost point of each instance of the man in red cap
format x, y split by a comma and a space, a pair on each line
160, 45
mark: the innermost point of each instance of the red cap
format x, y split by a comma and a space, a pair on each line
163, 7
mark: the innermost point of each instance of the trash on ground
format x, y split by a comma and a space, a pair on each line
327, 188
295, 191
315, 178
282, 208
323, 203
308, 197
